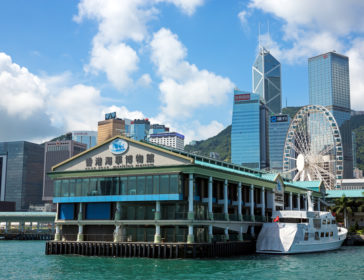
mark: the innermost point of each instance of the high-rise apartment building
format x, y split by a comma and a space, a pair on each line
21, 173
169, 139
329, 86
278, 127
139, 129
86, 137
249, 141
109, 128
267, 80
54, 153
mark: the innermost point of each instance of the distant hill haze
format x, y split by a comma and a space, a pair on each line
221, 142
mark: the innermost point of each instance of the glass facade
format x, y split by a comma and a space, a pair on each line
86, 137
249, 131
127, 185
278, 127
139, 129
329, 86
267, 80
21, 173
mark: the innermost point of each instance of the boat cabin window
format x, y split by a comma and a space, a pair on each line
327, 234
331, 234
317, 223
322, 234
328, 221
293, 220
324, 222
306, 236
317, 237
333, 222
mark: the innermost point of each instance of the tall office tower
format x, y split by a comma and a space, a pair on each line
109, 128
169, 139
329, 86
86, 137
249, 131
21, 173
278, 127
139, 129
267, 80
54, 153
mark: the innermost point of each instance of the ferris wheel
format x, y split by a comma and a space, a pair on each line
313, 148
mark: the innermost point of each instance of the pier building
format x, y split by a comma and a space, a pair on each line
129, 191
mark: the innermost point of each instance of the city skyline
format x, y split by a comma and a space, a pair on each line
71, 62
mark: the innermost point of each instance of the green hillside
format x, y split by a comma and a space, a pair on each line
221, 142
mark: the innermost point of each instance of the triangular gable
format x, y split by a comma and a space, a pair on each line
121, 152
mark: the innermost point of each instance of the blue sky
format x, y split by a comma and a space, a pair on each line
63, 64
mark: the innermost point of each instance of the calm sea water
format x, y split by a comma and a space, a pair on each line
26, 260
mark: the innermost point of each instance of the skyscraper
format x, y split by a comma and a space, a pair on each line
54, 153
329, 86
267, 80
109, 128
249, 139
278, 127
139, 129
86, 137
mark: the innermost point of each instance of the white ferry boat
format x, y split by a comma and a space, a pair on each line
300, 232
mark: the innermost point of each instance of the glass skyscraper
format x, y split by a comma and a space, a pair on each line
278, 127
267, 80
329, 86
86, 137
249, 131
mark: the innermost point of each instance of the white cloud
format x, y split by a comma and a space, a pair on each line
76, 107
243, 17
313, 27
356, 62
118, 23
117, 61
22, 93
187, 6
145, 80
184, 87
123, 113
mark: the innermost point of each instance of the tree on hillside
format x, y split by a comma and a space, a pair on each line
344, 205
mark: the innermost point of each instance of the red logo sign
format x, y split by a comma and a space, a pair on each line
325, 55
239, 97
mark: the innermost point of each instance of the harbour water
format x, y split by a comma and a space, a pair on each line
26, 260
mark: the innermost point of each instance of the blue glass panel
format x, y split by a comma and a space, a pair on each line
66, 211
98, 211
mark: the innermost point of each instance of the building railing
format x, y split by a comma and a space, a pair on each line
220, 216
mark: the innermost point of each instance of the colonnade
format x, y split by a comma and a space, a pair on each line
120, 232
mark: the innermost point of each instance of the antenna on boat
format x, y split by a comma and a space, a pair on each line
309, 201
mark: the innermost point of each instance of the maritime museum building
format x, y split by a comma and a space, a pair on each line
125, 190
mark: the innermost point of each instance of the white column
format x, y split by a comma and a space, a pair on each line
240, 215
157, 236
252, 201
298, 202
211, 236
305, 201
80, 233
190, 237
262, 198
226, 212
318, 204
57, 236
7, 227
211, 215
80, 212
117, 234
240, 235
118, 211
226, 233
290, 201
191, 215
157, 214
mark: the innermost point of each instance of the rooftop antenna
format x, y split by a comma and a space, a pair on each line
268, 47
259, 45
